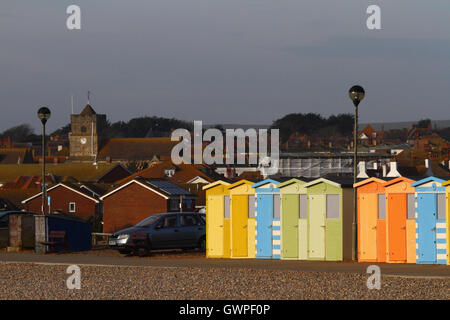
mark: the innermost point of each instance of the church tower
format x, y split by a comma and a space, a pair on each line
86, 133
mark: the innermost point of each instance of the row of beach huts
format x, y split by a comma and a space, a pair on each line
399, 220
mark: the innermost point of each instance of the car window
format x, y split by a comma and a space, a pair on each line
148, 221
188, 220
167, 222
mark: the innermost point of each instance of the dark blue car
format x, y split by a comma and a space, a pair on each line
177, 230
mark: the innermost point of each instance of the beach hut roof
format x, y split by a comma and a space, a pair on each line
396, 180
289, 182
320, 180
215, 183
264, 182
240, 182
426, 180
369, 180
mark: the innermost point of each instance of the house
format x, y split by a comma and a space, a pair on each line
66, 198
191, 177
179, 174
369, 136
81, 171
139, 198
35, 182
127, 149
6, 205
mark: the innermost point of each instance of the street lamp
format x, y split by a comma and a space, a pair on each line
43, 114
356, 94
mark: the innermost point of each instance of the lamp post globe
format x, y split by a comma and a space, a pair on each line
356, 94
44, 114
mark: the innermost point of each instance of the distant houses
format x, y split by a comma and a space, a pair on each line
116, 182
140, 198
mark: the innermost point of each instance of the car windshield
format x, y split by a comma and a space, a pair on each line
148, 221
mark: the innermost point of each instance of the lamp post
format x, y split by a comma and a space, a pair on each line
43, 114
356, 94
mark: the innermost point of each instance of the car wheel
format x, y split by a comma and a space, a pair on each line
202, 244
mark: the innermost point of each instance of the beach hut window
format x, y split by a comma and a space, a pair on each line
411, 206
441, 206
226, 207
303, 207
276, 206
381, 206
333, 206
251, 206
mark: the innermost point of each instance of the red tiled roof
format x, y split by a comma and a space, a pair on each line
183, 172
136, 148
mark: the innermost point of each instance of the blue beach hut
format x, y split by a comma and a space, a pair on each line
431, 236
267, 219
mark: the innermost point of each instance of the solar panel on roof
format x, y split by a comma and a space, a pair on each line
169, 187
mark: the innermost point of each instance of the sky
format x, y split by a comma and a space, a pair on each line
224, 61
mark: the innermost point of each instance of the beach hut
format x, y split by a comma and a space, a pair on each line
400, 221
371, 220
447, 188
294, 226
217, 220
267, 219
242, 197
330, 217
431, 233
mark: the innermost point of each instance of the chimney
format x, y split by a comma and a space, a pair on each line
393, 173
362, 170
427, 163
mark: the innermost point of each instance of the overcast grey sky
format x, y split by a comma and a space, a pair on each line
224, 61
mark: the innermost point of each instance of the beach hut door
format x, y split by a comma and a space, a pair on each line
239, 212
317, 215
264, 226
290, 209
368, 226
426, 221
397, 226
216, 221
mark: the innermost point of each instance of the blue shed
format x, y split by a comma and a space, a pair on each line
431, 242
78, 231
267, 220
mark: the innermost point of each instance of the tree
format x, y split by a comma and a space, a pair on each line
424, 123
62, 131
313, 123
20, 133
